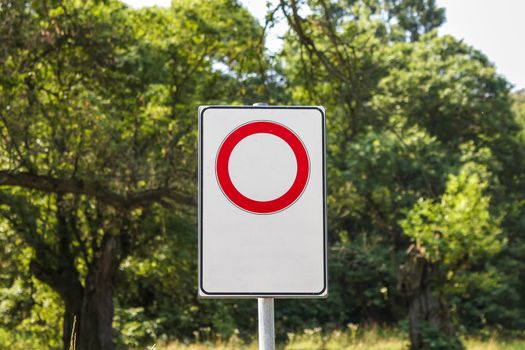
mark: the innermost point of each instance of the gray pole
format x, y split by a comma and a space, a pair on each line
266, 314
266, 324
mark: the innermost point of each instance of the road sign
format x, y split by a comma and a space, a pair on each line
262, 207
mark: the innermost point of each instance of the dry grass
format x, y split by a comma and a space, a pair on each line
232, 344
494, 344
350, 339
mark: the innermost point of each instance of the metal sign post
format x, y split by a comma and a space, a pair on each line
266, 324
266, 311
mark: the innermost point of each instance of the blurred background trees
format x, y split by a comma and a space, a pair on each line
98, 168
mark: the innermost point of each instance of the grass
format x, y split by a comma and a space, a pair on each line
73, 339
494, 344
350, 339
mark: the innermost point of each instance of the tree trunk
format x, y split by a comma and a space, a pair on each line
88, 310
72, 312
96, 317
429, 315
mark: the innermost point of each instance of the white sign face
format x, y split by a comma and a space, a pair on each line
262, 207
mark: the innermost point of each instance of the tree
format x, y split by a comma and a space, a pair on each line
518, 107
417, 17
97, 128
97, 146
449, 237
402, 115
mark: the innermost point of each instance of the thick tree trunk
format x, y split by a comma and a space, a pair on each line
96, 320
89, 308
429, 312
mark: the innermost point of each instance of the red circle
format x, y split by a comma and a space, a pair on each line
251, 205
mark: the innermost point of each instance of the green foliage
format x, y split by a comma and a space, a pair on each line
97, 107
459, 230
434, 339
418, 17
518, 107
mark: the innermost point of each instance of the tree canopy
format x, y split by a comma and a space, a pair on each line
98, 149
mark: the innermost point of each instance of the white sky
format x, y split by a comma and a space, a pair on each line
496, 27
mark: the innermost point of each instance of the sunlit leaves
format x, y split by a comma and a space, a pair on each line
459, 229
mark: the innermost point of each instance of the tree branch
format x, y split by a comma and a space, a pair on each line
295, 22
51, 184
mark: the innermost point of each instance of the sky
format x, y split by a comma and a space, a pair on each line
496, 27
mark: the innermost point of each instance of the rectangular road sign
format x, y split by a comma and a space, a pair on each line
262, 202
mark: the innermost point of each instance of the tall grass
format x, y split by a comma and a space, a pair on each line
494, 344
73, 339
352, 338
